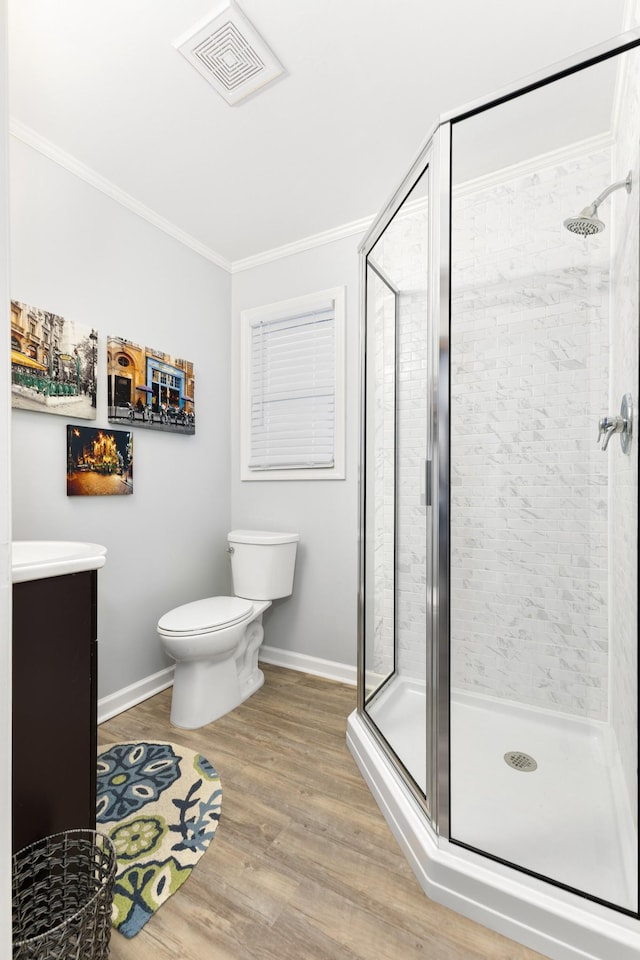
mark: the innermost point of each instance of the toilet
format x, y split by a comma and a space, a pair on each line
215, 642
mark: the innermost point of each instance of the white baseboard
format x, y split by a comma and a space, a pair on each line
329, 669
115, 703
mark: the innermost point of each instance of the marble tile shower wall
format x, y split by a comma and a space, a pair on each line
529, 378
624, 217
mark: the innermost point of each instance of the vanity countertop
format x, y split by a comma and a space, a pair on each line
37, 559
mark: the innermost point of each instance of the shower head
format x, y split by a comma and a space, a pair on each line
586, 223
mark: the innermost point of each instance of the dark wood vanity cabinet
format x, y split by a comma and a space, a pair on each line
54, 705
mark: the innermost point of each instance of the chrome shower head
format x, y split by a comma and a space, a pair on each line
586, 223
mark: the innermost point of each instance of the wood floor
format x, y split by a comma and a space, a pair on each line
303, 865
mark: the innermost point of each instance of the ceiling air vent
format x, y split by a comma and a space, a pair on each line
229, 53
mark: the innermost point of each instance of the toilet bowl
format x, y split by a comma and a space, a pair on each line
215, 642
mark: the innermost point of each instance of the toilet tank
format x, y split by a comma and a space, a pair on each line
262, 563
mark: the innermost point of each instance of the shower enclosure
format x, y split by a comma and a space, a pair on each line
497, 721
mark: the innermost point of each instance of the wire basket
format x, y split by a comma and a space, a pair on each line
62, 897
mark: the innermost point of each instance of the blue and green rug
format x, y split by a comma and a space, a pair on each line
160, 805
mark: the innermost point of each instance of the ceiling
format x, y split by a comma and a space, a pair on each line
322, 146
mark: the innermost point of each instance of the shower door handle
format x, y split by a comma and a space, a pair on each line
425, 493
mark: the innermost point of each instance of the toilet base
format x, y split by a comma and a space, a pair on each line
204, 690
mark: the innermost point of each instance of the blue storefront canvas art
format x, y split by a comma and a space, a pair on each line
147, 387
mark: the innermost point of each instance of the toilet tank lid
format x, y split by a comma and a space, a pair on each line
261, 536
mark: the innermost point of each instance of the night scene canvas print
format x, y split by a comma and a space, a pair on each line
99, 462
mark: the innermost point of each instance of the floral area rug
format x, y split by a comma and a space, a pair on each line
160, 805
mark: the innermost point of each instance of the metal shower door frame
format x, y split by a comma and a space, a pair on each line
441, 313
433, 159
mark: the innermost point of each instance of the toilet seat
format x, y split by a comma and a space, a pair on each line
205, 616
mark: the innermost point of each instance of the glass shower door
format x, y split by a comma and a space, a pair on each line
544, 481
397, 478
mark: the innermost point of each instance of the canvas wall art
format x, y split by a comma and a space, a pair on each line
149, 388
99, 462
53, 363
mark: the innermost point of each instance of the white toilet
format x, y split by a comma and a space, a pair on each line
215, 642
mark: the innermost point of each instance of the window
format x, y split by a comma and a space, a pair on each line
292, 389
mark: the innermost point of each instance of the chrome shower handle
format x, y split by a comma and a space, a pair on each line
607, 426
622, 424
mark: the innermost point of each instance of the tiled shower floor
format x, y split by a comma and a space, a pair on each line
566, 820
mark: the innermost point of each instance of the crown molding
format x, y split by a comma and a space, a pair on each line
28, 136
356, 227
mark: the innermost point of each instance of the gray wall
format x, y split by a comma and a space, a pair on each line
319, 620
82, 255
79, 254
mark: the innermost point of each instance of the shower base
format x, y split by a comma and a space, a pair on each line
565, 820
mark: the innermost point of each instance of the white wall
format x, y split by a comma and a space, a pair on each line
5, 520
79, 254
319, 620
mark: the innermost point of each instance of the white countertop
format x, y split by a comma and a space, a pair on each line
37, 559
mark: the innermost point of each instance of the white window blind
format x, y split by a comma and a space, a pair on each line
293, 391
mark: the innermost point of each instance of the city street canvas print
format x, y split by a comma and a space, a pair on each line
53, 363
99, 462
149, 388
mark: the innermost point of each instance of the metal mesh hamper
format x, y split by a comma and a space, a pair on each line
62, 897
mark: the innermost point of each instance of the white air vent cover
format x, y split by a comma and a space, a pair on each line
230, 54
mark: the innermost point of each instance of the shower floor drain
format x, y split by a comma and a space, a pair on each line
520, 761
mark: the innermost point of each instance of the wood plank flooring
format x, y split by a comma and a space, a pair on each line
303, 865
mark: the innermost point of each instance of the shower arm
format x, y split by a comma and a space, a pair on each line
626, 183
